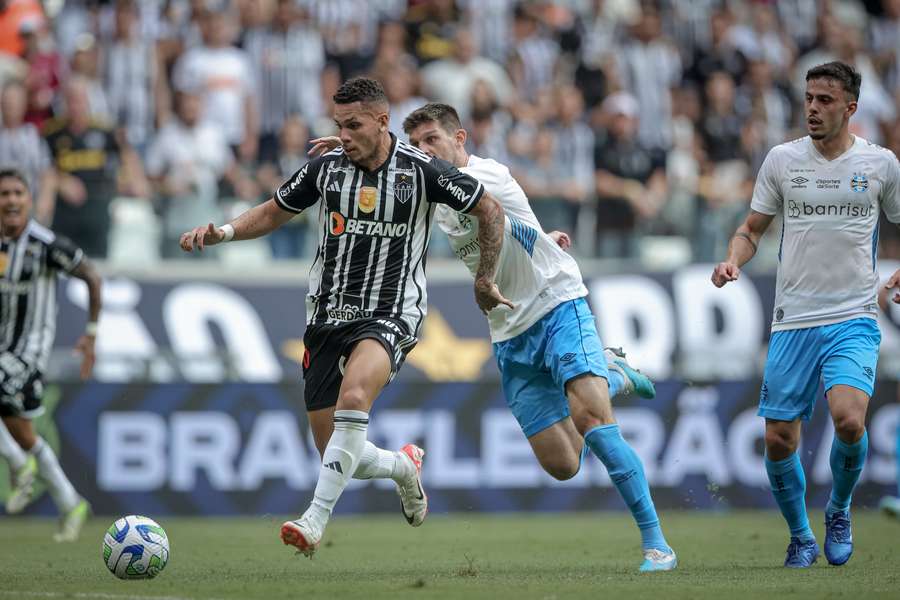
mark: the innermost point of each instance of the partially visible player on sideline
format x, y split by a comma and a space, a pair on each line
31, 259
367, 298
829, 187
557, 379
890, 505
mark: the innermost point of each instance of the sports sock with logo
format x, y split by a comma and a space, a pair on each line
339, 461
64, 495
627, 474
10, 449
376, 463
616, 382
789, 488
847, 461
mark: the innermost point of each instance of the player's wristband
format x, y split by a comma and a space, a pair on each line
228, 230
91, 328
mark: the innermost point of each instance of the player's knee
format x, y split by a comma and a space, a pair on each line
779, 443
849, 428
562, 470
353, 398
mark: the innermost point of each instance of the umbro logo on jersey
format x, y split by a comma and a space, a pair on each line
339, 225
334, 466
799, 182
567, 357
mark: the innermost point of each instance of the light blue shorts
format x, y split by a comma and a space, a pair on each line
843, 353
536, 364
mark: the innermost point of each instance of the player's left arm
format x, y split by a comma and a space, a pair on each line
890, 204
448, 185
85, 345
491, 223
65, 256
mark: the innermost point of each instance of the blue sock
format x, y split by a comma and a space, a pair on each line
627, 473
847, 462
616, 382
789, 488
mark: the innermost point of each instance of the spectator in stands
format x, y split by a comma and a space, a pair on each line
292, 239
133, 77
14, 14
185, 162
44, 73
721, 55
401, 86
227, 82
432, 27
450, 80
85, 64
535, 54
91, 165
23, 148
630, 179
287, 56
650, 67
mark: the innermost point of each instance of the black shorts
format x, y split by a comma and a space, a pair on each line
21, 388
329, 346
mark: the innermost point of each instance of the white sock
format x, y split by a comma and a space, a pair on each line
339, 461
60, 487
10, 449
380, 464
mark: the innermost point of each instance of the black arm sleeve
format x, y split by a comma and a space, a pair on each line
64, 255
300, 191
446, 184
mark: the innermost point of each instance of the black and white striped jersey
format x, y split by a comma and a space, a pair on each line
29, 266
373, 231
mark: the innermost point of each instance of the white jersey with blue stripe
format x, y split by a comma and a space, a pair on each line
533, 272
826, 268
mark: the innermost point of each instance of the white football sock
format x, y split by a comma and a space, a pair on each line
10, 449
339, 461
377, 463
64, 495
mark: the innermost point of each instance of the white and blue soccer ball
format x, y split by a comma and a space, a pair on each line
135, 547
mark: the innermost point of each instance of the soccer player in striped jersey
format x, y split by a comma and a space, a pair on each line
31, 259
376, 197
829, 187
556, 376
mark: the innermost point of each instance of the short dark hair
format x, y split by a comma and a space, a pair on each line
849, 78
360, 89
13, 173
444, 114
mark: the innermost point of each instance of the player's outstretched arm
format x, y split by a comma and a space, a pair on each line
256, 222
885, 292
490, 217
85, 344
742, 247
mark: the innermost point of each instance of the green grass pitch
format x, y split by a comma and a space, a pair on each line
722, 556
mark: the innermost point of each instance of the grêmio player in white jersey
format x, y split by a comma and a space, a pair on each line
554, 371
829, 188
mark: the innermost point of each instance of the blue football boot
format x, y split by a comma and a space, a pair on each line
635, 381
838, 537
800, 554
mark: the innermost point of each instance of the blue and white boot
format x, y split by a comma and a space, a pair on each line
801, 554
635, 381
838, 537
658, 560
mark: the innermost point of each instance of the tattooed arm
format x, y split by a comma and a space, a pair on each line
490, 237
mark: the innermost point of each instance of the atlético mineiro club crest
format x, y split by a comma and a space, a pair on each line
859, 182
403, 188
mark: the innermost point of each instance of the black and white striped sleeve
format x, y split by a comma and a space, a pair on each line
446, 184
63, 254
300, 191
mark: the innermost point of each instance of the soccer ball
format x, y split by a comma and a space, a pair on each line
135, 547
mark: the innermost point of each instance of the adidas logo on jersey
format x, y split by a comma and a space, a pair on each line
334, 186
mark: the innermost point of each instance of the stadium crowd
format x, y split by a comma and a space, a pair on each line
637, 125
